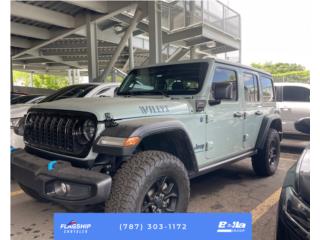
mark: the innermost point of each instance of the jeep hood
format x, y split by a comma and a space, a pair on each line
120, 107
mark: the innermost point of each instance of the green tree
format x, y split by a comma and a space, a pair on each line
285, 72
40, 80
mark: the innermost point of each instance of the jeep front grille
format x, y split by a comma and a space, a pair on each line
58, 131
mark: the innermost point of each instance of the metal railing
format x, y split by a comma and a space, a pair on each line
183, 14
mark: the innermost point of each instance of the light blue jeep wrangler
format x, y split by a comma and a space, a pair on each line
137, 151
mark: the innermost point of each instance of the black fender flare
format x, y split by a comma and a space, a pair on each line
269, 121
144, 128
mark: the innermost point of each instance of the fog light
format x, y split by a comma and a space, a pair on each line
61, 188
68, 190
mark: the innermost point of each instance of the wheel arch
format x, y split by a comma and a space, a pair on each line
162, 134
270, 121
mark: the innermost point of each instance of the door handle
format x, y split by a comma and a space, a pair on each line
237, 114
258, 112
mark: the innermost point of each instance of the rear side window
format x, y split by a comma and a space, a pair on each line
251, 90
227, 75
267, 89
296, 94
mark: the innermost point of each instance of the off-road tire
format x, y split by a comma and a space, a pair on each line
261, 161
30, 192
135, 177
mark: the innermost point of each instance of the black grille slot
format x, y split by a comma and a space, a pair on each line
57, 131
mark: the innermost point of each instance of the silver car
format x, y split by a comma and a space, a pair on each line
293, 101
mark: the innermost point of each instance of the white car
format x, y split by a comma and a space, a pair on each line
86, 90
293, 101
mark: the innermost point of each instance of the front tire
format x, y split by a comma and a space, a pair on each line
265, 162
150, 182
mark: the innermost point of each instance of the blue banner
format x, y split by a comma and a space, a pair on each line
132, 226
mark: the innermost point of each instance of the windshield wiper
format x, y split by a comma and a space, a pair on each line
143, 93
162, 93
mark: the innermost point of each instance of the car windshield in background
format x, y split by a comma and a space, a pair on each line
23, 99
74, 91
177, 79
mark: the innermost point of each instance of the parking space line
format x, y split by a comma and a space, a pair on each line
263, 207
16, 193
287, 159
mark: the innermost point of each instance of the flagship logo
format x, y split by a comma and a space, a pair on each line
152, 109
235, 226
73, 227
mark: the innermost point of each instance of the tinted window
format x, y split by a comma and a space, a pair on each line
171, 79
70, 92
251, 91
296, 94
227, 75
267, 89
23, 99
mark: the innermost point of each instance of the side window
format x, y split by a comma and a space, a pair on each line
251, 90
228, 76
267, 89
296, 94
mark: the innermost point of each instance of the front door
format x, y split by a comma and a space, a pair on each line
225, 120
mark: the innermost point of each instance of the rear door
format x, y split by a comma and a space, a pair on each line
253, 109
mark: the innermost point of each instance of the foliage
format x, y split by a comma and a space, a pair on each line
39, 80
285, 72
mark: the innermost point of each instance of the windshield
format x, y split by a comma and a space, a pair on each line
74, 91
177, 79
23, 99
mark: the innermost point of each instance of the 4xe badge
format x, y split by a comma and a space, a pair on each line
227, 227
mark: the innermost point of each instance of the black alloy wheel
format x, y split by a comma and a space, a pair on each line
162, 197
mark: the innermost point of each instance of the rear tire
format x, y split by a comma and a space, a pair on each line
265, 162
151, 181
30, 192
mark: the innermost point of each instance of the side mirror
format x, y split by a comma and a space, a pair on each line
222, 91
303, 125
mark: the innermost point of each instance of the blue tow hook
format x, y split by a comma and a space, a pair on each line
51, 165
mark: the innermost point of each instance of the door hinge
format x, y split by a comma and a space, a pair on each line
207, 118
206, 147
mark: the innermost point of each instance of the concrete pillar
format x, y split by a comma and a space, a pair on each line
69, 76
78, 76
114, 75
11, 77
92, 47
31, 79
131, 53
122, 43
155, 32
193, 54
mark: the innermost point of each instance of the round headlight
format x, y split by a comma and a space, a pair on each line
89, 129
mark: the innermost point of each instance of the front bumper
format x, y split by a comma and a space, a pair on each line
287, 227
79, 186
